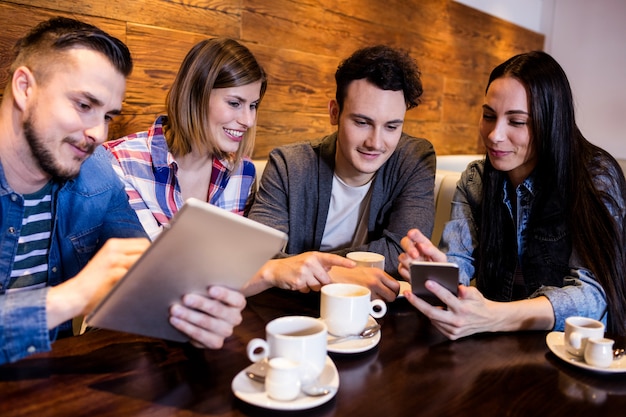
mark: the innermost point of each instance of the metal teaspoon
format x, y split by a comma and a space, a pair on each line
367, 333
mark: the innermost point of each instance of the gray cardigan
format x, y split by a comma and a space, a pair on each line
294, 196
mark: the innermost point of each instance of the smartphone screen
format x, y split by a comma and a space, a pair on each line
445, 273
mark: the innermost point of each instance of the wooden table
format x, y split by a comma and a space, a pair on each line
413, 371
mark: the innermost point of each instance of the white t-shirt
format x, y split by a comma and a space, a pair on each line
346, 224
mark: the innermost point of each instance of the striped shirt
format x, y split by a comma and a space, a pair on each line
143, 161
30, 267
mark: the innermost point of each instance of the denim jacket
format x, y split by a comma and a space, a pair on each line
551, 268
86, 212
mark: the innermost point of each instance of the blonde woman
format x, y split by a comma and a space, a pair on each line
200, 148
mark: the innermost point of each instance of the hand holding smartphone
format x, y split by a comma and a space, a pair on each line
444, 273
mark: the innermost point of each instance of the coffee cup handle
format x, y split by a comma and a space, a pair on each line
575, 340
257, 350
381, 311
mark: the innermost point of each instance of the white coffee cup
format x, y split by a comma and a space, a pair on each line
345, 308
282, 381
599, 352
367, 259
578, 330
300, 339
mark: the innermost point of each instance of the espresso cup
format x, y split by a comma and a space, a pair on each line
300, 339
578, 330
345, 308
367, 259
599, 352
282, 381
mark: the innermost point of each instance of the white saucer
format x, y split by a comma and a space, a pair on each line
557, 346
355, 345
403, 287
253, 392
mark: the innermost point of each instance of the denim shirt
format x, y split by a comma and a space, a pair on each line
86, 212
578, 294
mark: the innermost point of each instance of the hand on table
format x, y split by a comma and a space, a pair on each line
305, 272
80, 294
208, 319
471, 312
381, 284
417, 247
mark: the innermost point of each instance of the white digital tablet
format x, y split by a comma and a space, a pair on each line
203, 245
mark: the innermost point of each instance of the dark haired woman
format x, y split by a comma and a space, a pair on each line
539, 224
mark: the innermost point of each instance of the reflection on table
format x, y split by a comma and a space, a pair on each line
413, 371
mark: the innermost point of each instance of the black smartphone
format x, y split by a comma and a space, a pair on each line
444, 273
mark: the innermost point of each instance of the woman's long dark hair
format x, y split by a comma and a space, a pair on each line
567, 165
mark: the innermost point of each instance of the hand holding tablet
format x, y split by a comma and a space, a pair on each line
204, 245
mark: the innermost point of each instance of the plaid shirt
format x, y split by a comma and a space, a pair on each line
148, 170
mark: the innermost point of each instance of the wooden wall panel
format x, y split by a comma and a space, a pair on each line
300, 43
281, 128
155, 68
298, 81
201, 16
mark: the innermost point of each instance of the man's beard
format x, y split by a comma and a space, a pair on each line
44, 156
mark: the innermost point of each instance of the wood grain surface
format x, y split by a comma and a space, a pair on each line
413, 371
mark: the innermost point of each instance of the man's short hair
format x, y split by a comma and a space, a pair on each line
38, 50
385, 67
